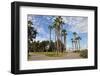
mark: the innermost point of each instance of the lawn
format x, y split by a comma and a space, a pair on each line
49, 54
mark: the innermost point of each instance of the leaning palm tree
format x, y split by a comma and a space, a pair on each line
64, 32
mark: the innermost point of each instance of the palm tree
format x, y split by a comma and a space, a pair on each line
57, 29
61, 44
78, 42
50, 28
64, 33
57, 25
75, 41
54, 27
72, 43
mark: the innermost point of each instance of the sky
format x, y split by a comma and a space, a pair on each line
78, 24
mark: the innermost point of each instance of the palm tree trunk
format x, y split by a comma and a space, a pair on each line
60, 41
64, 42
61, 44
50, 40
55, 41
61, 38
57, 44
72, 46
79, 44
75, 45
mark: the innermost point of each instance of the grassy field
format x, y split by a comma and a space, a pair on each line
55, 55
49, 54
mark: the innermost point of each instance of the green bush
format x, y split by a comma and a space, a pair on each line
84, 53
76, 51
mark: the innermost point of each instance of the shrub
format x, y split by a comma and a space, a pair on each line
84, 53
76, 51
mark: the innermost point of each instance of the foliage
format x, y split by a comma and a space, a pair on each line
42, 46
32, 32
76, 51
84, 53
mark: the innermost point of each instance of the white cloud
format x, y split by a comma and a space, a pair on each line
77, 24
83, 26
38, 38
42, 34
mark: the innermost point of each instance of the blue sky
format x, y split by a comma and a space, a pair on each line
72, 24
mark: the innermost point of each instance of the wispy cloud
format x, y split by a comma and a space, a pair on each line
76, 24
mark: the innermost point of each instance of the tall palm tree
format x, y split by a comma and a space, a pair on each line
64, 32
78, 42
57, 27
75, 41
54, 27
50, 28
61, 28
72, 43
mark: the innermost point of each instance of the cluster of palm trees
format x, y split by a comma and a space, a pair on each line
76, 41
60, 34
60, 41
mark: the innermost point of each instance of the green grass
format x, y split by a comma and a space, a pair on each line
49, 54
54, 54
